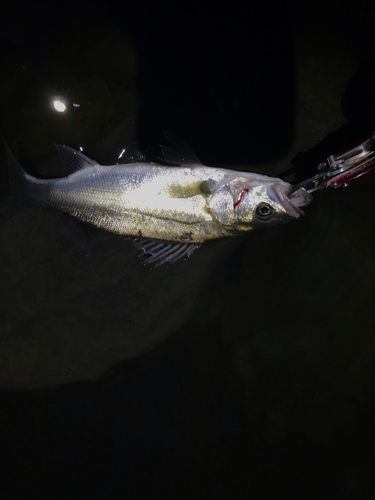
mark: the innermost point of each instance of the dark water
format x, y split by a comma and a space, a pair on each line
246, 371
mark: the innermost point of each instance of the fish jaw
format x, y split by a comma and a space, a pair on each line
300, 198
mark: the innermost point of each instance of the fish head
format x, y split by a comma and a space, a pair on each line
250, 201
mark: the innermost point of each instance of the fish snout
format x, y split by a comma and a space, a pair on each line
292, 204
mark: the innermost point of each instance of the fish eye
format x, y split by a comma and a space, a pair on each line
264, 212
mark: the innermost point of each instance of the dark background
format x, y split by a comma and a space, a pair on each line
253, 375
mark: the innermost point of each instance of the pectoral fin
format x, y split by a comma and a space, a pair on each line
180, 190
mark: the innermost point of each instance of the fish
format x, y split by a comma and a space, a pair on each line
168, 208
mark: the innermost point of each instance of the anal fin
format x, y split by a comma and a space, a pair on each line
158, 252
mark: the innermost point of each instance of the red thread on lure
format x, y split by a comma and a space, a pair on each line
246, 190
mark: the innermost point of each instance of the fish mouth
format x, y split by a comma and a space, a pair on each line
292, 204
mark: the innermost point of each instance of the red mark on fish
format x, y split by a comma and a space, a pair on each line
246, 190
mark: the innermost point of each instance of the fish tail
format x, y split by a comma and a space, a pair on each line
18, 181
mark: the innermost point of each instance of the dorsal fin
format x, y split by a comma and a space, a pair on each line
180, 153
73, 161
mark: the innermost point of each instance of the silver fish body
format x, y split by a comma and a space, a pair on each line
188, 203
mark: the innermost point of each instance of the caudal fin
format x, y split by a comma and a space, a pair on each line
17, 182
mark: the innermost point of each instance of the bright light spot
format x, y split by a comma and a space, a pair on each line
59, 106
122, 152
81, 148
76, 105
